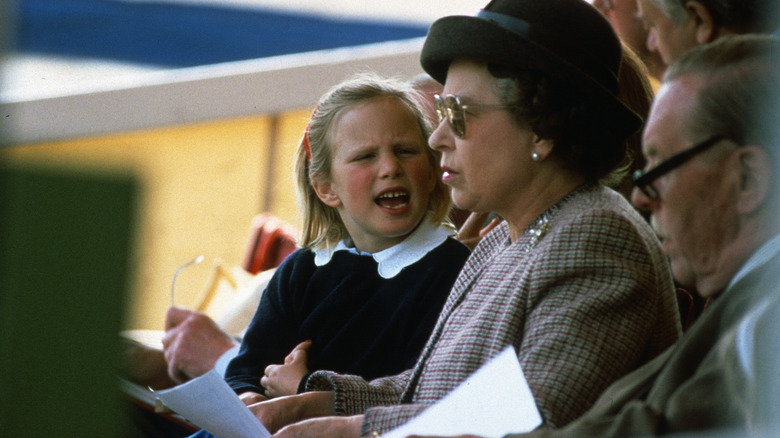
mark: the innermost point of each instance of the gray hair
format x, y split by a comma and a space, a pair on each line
741, 96
739, 16
673, 9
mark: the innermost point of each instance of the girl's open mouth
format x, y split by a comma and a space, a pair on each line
393, 200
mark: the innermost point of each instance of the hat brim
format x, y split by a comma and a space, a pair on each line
453, 37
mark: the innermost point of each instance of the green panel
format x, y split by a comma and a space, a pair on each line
65, 263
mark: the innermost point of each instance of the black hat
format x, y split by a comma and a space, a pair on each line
568, 39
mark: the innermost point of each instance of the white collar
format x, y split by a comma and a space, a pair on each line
764, 253
392, 260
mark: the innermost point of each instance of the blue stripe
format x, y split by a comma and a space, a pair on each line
179, 35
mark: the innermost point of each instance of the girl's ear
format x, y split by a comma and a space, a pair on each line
755, 178
705, 31
324, 190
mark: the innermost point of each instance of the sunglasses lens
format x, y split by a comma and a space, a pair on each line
451, 109
441, 111
457, 120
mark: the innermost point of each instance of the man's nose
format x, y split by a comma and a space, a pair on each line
641, 201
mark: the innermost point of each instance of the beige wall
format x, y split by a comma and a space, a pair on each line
201, 186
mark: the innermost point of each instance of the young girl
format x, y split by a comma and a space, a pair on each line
377, 261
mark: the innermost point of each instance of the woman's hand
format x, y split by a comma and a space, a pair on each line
281, 411
284, 379
326, 427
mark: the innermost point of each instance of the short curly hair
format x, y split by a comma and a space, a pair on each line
581, 137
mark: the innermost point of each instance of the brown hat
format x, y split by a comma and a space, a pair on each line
568, 39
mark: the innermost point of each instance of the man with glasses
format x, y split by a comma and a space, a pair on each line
712, 188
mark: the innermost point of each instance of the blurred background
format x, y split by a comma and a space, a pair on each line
198, 104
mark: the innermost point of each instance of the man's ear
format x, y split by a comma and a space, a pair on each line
324, 190
756, 178
706, 30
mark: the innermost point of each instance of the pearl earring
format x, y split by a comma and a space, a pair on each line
535, 156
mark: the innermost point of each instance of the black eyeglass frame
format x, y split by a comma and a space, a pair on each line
454, 111
643, 179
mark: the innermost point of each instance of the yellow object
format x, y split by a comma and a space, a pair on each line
201, 185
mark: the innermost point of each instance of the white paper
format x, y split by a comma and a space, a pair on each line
209, 403
491, 403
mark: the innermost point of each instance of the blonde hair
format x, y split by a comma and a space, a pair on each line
322, 225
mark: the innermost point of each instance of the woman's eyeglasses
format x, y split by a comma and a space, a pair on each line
449, 107
643, 180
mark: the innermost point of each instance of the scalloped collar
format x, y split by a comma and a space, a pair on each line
391, 261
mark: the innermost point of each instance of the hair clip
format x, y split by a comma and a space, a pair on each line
306, 145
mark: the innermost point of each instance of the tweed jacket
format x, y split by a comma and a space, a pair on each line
722, 377
584, 295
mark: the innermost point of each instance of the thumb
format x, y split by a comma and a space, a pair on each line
472, 225
494, 223
298, 353
175, 316
305, 345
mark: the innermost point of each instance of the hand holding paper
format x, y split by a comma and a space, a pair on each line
493, 402
209, 403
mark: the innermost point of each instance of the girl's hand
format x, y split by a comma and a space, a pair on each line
284, 379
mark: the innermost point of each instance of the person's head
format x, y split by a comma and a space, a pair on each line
676, 26
428, 87
624, 17
363, 167
715, 204
550, 69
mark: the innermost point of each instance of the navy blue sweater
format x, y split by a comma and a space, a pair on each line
359, 323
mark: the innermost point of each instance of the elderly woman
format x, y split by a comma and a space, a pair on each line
573, 278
